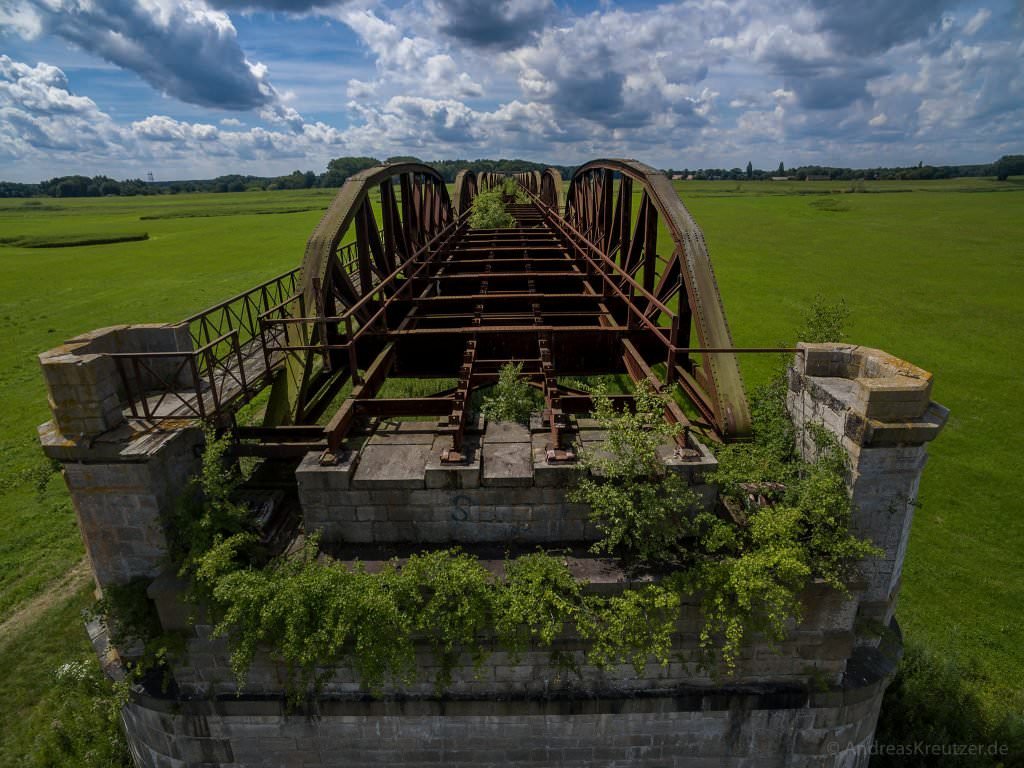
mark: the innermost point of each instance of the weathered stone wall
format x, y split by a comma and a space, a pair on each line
125, 478
396, 489
123, 506
818, 650
691, 727
82, 381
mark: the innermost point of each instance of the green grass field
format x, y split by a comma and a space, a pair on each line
932, 271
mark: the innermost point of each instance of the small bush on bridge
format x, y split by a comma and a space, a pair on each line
489, 212
513, 399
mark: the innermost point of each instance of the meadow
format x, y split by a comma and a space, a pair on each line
931, 271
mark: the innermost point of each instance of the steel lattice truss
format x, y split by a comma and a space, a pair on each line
394, 283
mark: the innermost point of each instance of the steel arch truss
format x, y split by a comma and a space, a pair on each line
389, 217
620, 283
626, 212
550, 188
465, 190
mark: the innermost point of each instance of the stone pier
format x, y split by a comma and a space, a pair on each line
812, 700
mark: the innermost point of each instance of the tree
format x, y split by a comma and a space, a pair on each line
782, 169
750, 170
340, 168
1009, 165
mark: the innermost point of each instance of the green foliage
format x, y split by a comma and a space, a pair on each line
70, 240
930, 702
448, 596
316, 615
538, 598
84, 722
631, 627
824, 321
488, 211
129, 613
748, 567
513, 398
640, 508
207, 514
511, 190
751, 571
1009, 165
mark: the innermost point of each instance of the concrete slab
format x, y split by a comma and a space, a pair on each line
506, 432
507, 464
404, 433
392, 466
310, 475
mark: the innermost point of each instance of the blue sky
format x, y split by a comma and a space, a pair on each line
196, 88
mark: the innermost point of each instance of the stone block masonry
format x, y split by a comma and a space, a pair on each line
811, 700
878, 409
396, 489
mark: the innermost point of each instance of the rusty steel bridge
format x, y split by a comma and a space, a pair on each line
611, 276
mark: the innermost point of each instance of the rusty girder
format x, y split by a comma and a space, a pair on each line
416, 293
465, 190
550, 188
487, 180
395, 215
528, 180
616, 207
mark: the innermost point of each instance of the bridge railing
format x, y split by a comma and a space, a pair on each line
229, 356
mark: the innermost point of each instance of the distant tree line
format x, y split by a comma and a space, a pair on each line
341, 168
1008, 165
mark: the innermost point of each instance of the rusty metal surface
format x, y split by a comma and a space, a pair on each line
604, 213
416, 293
550, 190
465, 190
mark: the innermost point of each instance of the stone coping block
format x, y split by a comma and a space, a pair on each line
559, 474
507, 465
311, 475
82, 381
920, 430
507, 455
505, 432
392, 465
462, 474
885, 387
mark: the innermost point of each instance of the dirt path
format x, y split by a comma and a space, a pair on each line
64, 587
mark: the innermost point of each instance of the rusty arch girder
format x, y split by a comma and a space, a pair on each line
550, 188
406, 223
466, 188
683, 281
396, 278
352, 281
487, 180
529, 180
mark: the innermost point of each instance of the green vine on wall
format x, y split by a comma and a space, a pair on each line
318, 615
